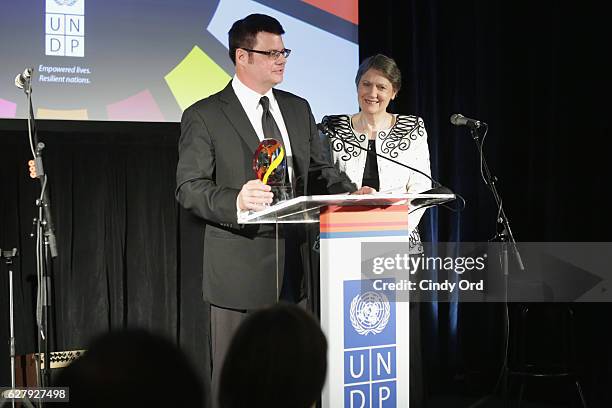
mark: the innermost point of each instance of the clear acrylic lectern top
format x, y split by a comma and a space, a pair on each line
306, 209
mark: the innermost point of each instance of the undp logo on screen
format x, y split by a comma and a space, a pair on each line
369, 348
65, 28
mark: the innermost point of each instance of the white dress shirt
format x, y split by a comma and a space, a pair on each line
249, 99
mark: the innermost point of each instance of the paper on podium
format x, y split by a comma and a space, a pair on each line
306, 209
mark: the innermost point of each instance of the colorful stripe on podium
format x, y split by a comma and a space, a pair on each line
358, 221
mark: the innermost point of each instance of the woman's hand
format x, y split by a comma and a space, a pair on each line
365, 190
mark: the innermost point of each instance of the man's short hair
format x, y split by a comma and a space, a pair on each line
243, 33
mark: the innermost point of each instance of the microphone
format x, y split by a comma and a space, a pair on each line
22, 79
458, 119
443, 190
426, 202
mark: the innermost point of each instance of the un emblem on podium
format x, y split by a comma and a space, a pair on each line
369, 313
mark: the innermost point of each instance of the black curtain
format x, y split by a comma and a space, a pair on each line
536, 72
119, 233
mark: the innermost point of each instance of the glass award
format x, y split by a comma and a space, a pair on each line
270, 166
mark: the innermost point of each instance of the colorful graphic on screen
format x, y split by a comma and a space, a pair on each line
147, 61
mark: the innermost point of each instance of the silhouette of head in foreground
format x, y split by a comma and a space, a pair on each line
131, 368
277, 358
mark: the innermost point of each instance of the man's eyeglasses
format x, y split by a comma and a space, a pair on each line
274, 54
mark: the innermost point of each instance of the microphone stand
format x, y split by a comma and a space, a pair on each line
503, 234
418, 202
46, 248
8, 257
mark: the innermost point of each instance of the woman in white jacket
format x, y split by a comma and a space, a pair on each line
399, 137
402, 138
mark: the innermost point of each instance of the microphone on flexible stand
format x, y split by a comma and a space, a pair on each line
417, 202
23, 78
425, 202
458, 119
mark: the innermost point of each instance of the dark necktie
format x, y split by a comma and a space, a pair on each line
270, 128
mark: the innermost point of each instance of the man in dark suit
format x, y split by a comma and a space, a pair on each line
215, 179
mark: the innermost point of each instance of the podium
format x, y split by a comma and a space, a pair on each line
367, 330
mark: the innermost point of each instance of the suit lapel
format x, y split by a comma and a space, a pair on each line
235, 114
297, 123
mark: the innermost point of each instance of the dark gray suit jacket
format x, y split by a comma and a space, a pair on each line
215, 160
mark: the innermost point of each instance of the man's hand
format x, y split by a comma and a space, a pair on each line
364, 190
254, 195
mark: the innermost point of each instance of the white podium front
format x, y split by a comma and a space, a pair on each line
367, 330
